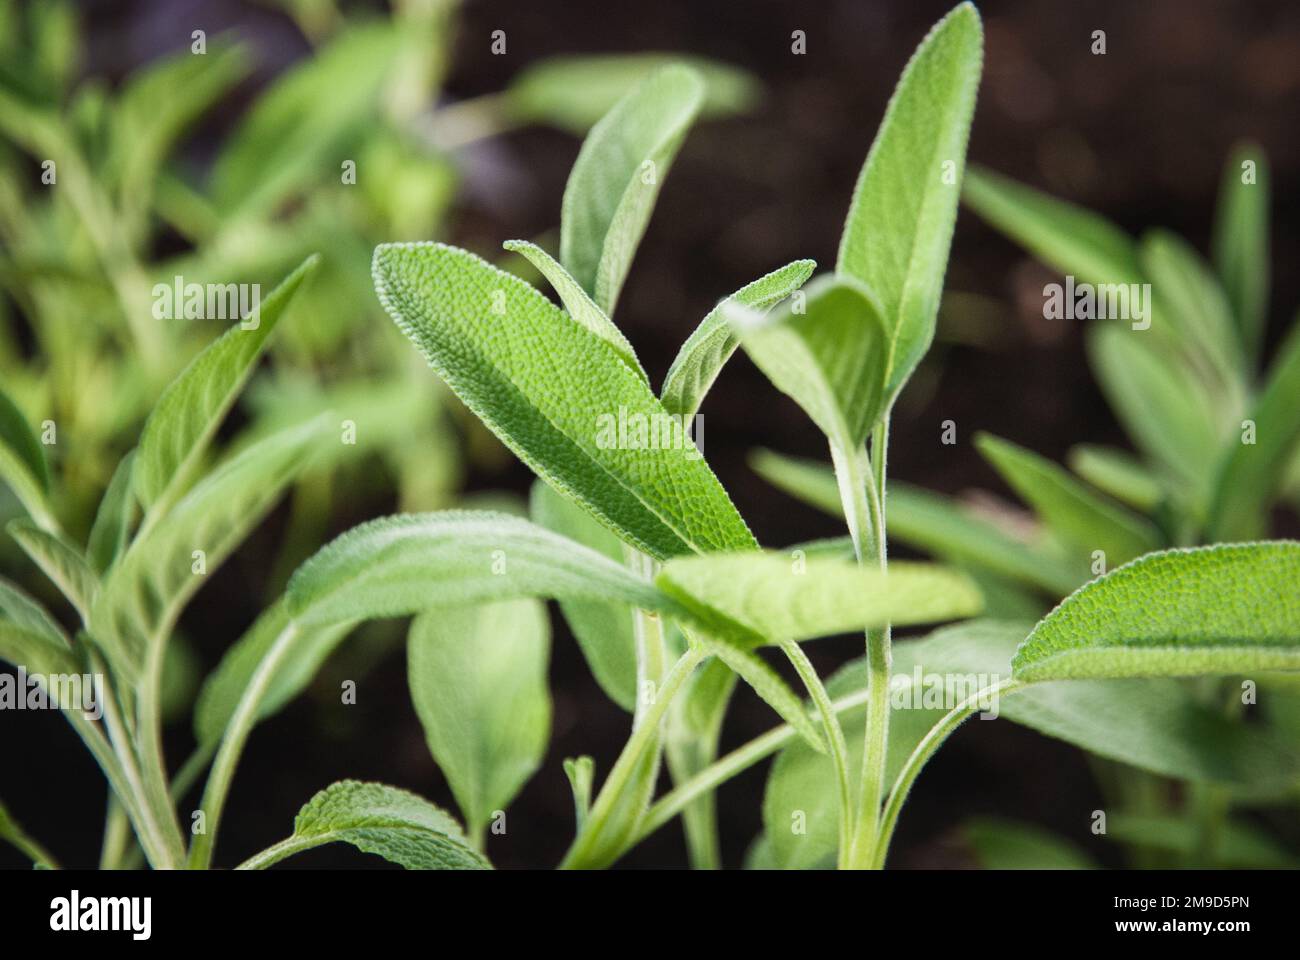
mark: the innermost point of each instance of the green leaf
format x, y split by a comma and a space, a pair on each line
1250, 478
16, 436
927, 522
603, 628
1081, 518
61, 561
1153, 723
581, 772
558, 396
225, 686
580, 306
830, 356
1011, 845
298, 129
22, 462
755, 597
12, 832
156, 105
616, 178
1156, 724
113, 519
1071, 239
900, 223
1193, 307
1117, 473
774, 691
573, 92
1241, 247
478, 683
1240, 845
1205, 611
1163, 409
396, 566
167, 564
192, 407
30, 637
702, 356
398, 826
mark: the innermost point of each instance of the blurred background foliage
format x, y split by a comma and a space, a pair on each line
229, 167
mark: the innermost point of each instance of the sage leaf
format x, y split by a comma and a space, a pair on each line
1162, 407
478, 682
1001, 844
1241, 246
1073, 240
192, 407
830, 356
603, 628
167, 564
225, 686
559, 397
29, 637
1117, 473
579, 306
1251, 475
61, 561
22, 463
1225, 609
900, 223
12, 832
616, 179
708, 348
398, 826
766, 597
928, 522
304, 120
1081, 518
573, 92
396, 566
1239, 846
111, 530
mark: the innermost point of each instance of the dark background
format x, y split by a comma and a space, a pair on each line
1139, 134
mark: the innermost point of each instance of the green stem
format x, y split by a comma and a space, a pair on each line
737, 761
148, 742
232, 745
644, 736
285, 848
131, 791
862, 489
921, 755
834, 736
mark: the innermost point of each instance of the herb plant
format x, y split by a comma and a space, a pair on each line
665, 588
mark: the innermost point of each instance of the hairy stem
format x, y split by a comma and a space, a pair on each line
722, 770
921, 755
232, 745
861, 481
834, 736
644, 737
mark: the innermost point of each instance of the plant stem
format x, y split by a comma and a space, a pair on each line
722, 770
163, 851
834, 736
862, 490
644, 736
232, 745
148, 741
921, 754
